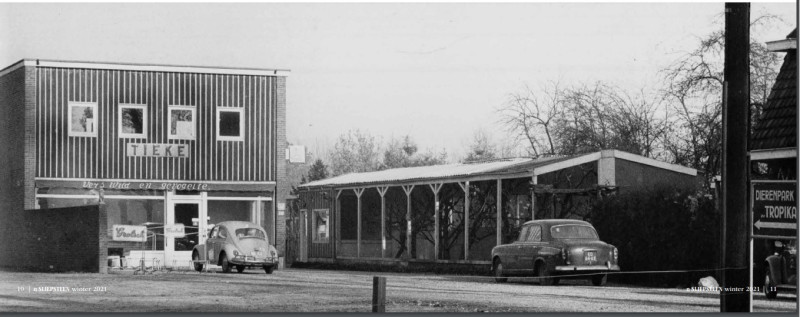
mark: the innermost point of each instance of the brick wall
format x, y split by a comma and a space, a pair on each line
64, 239
12, 174
282, 192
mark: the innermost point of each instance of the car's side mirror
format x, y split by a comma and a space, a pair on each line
778, 244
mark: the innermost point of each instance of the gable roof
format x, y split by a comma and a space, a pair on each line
777, 125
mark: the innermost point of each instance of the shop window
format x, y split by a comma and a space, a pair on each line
82, 117
320, 225
138, 212
181, 122
230, 210
132, 121
230, 124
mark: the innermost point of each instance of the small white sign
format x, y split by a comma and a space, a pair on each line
175, 230
129, 233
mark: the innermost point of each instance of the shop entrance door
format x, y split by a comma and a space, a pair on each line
178, 250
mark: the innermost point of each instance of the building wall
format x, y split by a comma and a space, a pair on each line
280, 164
637, 176
64, 240
311, 200
105, 156
15, 139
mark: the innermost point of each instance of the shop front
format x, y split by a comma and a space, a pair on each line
193, 207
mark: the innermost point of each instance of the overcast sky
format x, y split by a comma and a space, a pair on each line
436, 72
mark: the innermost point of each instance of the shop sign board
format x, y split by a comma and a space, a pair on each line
774, 209
129, 233
158, 185
157, 150
175, 230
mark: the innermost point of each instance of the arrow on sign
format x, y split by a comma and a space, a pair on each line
775, 225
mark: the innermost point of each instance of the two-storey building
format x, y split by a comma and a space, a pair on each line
157, 145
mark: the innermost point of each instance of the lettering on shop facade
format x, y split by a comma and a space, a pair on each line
157, 150
145, 185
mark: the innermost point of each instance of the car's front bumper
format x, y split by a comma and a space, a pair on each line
253, 261
585, 268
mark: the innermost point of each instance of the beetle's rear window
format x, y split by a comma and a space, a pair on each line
573, 232
250, 233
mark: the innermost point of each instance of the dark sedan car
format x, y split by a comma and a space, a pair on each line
781, 272
551, 249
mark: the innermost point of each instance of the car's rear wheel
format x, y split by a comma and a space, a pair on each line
599, 279
544, 275
269, 268
240, 268
499, 275
226, 266
196, 260
769, 285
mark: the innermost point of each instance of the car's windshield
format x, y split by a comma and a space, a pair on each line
250, 233
573, 232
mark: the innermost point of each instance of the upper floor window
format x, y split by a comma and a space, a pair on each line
181, 122
132, 121
230, 124
82, 119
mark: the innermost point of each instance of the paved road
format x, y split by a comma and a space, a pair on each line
302, 290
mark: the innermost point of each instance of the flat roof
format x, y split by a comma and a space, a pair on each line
146, 67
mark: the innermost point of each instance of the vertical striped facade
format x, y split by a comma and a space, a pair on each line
61, 156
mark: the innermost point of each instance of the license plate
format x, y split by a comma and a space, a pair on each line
590, 256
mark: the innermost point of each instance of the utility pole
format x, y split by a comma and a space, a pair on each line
736, 235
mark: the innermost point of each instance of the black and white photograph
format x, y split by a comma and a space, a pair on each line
399, 157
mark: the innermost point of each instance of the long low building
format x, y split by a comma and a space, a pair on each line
418, 213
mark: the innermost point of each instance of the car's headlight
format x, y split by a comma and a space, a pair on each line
616, 254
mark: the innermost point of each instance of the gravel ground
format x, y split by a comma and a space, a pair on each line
305, 290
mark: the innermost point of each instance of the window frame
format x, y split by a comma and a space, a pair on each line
123, 135
532, 232
170, 108
241, 124
314, 233
70, 106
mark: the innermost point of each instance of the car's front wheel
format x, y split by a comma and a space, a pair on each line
226, 266
196, 260
599, 279
269, 268
499, 275
769, 285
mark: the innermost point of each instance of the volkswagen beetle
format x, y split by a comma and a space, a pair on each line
552, 249
239, 244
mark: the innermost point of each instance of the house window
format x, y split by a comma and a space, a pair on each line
82, 119
181, 122
320, 226
230, 124
132, 121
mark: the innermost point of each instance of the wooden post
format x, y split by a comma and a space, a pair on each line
378, 294
465, 188
535, 181
408, 189
735, 114
382, 192
435, 188
499, 211
359, 192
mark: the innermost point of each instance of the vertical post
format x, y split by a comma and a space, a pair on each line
435, 188
378, 294
358, 192
408, 189
534, 181
382, 192
499, 211
466, 219
735, 170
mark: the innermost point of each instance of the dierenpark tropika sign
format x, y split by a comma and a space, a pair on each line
774, 209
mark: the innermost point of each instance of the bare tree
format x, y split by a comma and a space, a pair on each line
531, 115
354, 152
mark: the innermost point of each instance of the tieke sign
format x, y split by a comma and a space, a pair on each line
774, 209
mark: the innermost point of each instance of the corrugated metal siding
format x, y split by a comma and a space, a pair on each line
314, 200
104, 156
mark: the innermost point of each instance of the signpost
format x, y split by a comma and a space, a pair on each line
774, 209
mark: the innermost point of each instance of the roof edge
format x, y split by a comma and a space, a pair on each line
150, 67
